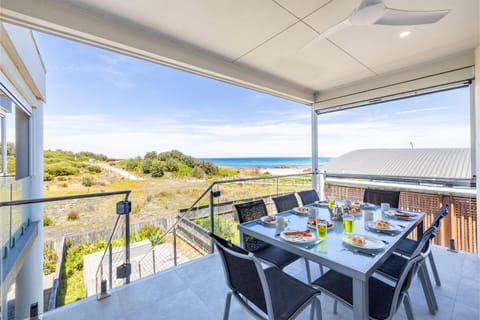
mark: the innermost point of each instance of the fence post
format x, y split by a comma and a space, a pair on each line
110, 262
127, 242
175, 246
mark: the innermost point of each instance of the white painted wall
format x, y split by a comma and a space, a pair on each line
476, 102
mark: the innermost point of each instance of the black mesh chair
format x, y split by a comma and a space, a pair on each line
383, 298
286, 202
393, 267
273, 255
408, 246
308, 196
265, 293
382, 196
270, 254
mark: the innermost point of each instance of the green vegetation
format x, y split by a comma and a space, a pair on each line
223, 227
49, 260
72, 285
174, 162
60, 163
47, 221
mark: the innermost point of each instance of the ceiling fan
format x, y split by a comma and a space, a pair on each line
371, 12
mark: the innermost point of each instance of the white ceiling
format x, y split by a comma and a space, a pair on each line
261, 44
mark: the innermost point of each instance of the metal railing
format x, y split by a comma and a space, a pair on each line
14, 219
120, 256
24, 206
188, 238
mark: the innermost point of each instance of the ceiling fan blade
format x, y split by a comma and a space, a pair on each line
326, 33
394, 17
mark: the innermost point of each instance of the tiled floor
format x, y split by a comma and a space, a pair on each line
196, 290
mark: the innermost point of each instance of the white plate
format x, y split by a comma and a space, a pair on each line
398, 215
298, 238
371, 243
299, 211
273, 223
391, 227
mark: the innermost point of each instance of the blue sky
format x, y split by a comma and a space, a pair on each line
107, 103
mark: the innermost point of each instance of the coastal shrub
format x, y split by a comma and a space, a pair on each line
87, 181
47, 177
49, 260
58, 170
209, 168
135, 210
94, 169
171, 165
62, 178
156, 169
73, 215
198, 173
47, 221
223, 227
86, 155
63, 185
147, 166
151, 155
151, 232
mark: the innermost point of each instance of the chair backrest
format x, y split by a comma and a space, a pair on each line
405, 279
382, 196
243, 273
308, 196
249, 211
442, 212
286, 202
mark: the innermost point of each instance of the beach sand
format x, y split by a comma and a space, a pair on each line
285, 171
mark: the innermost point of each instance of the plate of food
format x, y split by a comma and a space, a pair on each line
400, 214
312, 223
353, 210
383, 226
301, 210
269, 220
298, 236
363, 241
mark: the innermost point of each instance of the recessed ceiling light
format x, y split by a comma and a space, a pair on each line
404, 34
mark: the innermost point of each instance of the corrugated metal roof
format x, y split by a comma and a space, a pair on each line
450, 163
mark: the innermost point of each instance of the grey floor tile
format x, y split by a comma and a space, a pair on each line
462, 311
197, 290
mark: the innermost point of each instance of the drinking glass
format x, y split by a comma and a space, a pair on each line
321, 229
348, 224
331, 203
385, 206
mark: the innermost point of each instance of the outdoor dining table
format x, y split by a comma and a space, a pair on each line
333, 253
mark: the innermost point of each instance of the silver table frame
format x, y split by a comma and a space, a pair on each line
332, 253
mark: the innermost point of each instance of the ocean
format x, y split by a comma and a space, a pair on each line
273, 162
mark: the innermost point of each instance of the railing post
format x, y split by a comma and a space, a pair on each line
127, 243
110, 268
213, 194
175, 246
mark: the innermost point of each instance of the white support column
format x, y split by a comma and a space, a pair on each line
3, 124
476, 108
29, 282
314, 149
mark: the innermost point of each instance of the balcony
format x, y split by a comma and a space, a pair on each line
196, 290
